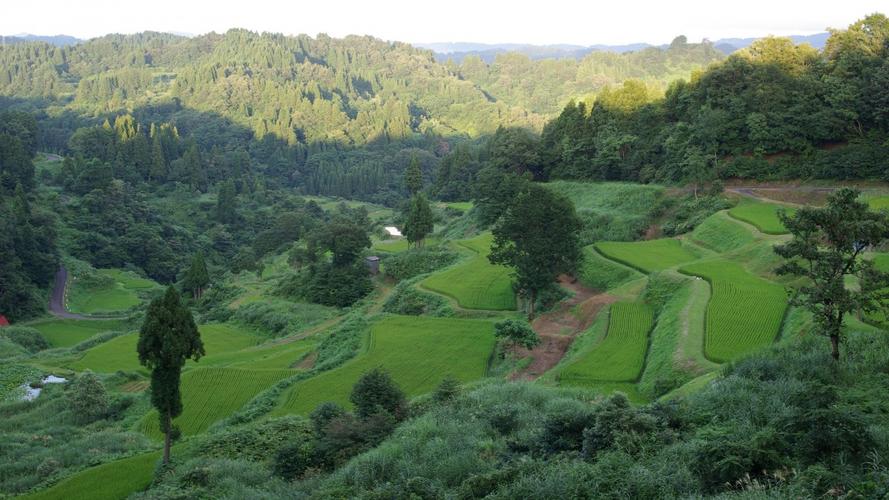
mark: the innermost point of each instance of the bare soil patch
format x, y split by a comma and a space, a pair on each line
558, 328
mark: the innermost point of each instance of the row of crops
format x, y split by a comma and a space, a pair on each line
476, 283
745, 312
209, 394
620, 357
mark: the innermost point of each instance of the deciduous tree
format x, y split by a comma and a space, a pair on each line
826, 249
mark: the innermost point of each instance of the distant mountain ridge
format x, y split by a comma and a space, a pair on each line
457, 51
57, 40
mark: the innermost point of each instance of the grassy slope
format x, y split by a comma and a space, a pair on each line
418, 352
621, 355
745, 311
648, 256
762, 215
475, 283
69, 332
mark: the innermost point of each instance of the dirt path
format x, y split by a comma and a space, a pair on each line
558, 328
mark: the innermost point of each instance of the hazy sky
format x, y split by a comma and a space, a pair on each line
582, 22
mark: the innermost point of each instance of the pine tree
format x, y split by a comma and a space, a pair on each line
158, 171
413, 176
167, 339
197, 278
418, 223
194, 167
226, 203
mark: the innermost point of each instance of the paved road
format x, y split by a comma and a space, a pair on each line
57, 301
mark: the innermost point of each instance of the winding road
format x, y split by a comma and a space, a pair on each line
57, 300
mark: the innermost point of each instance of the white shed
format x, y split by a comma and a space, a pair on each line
392, 232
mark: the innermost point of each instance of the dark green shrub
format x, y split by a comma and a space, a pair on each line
376, 391
447, 390
563, 428
406, 299
29, 338
323, 414
292, 460
87, 398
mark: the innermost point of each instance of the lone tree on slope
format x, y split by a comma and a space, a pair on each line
537, 237
167, 339
827, 247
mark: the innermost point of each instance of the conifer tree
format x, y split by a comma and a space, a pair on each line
413, 176
419, 222
167, 339
158, 171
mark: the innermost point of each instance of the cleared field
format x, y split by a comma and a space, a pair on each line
647, 256
400, 245
120, 353
762, 215
621, 355
464, 206
210, 394
881, 261
113, 480
476, 283
418, 352
745, 312
119, 295
721, 233
69, 332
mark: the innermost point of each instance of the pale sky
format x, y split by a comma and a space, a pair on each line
581, 22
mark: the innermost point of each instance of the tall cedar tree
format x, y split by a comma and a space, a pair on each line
827, 248
413, 176
167, 339
418, 223
197, 278
227, 203
537, 237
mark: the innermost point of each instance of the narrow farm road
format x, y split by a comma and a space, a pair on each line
57, 300
558, 328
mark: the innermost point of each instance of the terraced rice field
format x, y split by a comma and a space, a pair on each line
476, 283
744, 313
210, 394
762, 215
721, 233
878, 202
418, 352
70, 332
120, 353
601, 273
881, 261
621, 355
647, 256
113, 480
266, 357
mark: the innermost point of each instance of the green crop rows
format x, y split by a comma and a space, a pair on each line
120, 353
647, 256
476, 283
69, 332
745, 312
210, 394
621, 355
721, 233
113, 480
762, 215
417, 351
